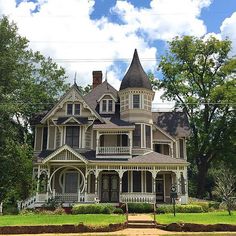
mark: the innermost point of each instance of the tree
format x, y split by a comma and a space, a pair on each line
225, 187
29, 84
199, 75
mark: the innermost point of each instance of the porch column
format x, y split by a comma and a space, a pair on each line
130, 142
154, 174
120, 176
48, 183
97, 141
38, 180
96, 182
177, 173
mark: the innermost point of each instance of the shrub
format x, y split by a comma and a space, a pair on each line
204, 205
92, 209
140, 208
179, 209
214, 205
27, 212
118, 211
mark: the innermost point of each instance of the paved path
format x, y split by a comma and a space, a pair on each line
143, 217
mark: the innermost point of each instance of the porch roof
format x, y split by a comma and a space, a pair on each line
156, 158
149, 158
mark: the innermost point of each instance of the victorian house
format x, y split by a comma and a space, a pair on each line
109, 147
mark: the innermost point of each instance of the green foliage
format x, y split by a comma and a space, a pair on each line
163, 209
52, 204
140, 207
118, 211
199, 75
29, 84
92, 209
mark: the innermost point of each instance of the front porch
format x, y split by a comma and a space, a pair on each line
71, 184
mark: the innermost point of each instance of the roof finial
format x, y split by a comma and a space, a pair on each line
75, 78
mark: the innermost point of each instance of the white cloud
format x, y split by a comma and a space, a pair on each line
165, 18
228, 30
63, 29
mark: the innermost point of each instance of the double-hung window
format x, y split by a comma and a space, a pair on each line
73, 109
107, 106
136, 101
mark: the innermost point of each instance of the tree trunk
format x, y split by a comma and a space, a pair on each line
201, 177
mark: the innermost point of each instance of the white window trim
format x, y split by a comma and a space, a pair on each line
107, 106
80, 135
73, 109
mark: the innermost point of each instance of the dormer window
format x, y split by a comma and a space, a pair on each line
73, 109
107, 106
136, 101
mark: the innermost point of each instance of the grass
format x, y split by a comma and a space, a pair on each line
10, 220
201, 218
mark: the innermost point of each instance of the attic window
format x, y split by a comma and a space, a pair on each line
73, 109
107, 106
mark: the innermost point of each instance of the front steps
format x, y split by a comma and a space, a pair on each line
141, 224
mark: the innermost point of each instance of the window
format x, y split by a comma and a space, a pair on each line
181, 148
104, 105
76, 109
72, 136
45, 138
148, 182
148, 136
136, 101
69, 109
107, 106
73, 109
110, 105
137, 136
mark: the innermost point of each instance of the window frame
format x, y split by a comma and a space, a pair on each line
135, 103
73, 109
104, 103
73, 137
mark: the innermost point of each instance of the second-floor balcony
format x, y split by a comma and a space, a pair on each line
114, 150
113, 144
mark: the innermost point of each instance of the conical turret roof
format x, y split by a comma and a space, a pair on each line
135, 76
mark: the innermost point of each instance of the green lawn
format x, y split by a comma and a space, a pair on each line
60, 219
201, 218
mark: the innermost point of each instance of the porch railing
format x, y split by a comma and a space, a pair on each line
113, 150
69, 197
138, 197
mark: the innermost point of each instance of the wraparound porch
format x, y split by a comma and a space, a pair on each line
111, 184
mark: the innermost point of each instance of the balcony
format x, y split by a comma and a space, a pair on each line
113, 150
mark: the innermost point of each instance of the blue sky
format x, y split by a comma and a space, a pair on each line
87, 35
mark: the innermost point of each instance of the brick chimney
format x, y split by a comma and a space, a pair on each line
97, 78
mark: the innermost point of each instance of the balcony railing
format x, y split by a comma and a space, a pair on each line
113, 150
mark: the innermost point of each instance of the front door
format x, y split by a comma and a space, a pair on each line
110, 188
159, 188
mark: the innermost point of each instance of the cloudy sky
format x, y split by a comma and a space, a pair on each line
87, 35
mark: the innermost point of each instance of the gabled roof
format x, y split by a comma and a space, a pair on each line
61, 149
76, 119
174, 123
74, 86
135, 76
104, 88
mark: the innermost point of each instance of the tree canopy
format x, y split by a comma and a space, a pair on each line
29, 84
200, 76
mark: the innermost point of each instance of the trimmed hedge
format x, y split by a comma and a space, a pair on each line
140, 208
179, 209
92, 209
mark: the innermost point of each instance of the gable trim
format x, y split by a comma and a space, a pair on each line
59, 103
64, 148
107, 94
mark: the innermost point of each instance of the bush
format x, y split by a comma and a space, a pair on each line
204, 205
214, 205
59, 211
179, 209
140, 208
92, 209
118, 211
